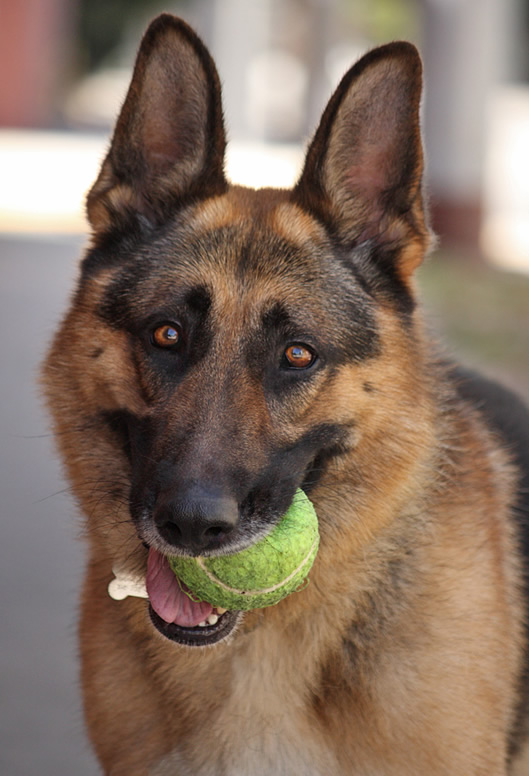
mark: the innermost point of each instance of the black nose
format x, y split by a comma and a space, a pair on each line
197, 519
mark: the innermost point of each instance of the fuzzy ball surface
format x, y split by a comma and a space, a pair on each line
262, 574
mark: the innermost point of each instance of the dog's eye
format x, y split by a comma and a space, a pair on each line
168, 335
298, 356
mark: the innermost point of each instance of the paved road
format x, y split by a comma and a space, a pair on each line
41, 730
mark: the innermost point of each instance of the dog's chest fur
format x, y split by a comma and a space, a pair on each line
263, 726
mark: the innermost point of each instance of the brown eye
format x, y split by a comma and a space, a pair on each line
299, 356
168, 335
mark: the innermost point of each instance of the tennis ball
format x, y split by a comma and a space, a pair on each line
262, 574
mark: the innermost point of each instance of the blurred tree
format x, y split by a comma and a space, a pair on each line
384, 20
102, 24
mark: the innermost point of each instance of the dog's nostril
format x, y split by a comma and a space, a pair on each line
214, 532
169, 530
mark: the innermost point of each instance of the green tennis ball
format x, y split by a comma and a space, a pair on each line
262, 574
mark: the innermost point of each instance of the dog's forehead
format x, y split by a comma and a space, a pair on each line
253, 233
247, 245
270, 208
243, 261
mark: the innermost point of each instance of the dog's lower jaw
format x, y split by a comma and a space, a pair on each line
199, 636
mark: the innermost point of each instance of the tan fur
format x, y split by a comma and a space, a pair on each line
284, 678
295, 225
403, 654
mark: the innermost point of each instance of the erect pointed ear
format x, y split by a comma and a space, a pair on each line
168, 144
363, 169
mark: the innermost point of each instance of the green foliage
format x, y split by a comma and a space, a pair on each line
482, 314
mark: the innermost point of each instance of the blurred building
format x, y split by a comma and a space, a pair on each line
35, 59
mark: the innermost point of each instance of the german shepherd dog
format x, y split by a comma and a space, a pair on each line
226, 346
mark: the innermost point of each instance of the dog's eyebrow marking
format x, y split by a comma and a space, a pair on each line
215, 214
276, 317
297, 226
199, 299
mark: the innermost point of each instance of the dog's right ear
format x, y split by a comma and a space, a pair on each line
169, 141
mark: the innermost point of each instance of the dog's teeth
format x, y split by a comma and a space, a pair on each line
212, 619
220, 610
202, 624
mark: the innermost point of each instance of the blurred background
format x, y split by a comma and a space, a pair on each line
64, 70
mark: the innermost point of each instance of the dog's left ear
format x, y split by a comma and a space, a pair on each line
169, 141
363, 169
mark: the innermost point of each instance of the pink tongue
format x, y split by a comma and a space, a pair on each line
166, 596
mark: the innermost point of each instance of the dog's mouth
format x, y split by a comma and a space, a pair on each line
176, 615
202, 635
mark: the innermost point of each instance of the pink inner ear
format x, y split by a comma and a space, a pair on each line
370, 178
163, 152
367, 181
165, 141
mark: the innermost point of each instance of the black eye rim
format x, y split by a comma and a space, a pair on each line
166, 346
289, 366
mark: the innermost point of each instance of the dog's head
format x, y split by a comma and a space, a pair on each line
228, 346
